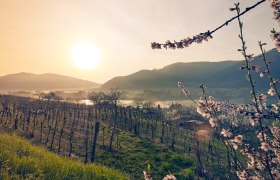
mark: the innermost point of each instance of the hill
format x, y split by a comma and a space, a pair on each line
225, 74
22, 160
29, 81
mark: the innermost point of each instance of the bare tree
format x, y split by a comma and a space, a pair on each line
114, 96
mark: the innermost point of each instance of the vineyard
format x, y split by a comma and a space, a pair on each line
222, 121
125, 138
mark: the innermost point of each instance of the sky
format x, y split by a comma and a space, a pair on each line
38, 36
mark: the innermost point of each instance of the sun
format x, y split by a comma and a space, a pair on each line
85, 55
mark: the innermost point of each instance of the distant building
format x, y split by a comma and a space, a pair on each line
196, 125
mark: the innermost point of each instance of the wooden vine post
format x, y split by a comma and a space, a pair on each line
97, 124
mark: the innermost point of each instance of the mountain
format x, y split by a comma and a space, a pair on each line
225, 74
29, 81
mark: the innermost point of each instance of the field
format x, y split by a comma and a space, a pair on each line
124, 138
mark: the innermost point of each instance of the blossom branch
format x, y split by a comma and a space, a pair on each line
249, 68
272, 81
200, 37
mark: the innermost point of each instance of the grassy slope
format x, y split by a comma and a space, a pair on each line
20, 159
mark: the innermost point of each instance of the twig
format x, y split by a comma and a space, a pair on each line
272, 81
202, 36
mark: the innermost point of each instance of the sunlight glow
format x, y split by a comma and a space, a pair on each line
85, 55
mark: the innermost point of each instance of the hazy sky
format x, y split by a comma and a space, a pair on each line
37, 35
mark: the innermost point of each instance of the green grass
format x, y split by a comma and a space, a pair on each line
19, 159
136, 153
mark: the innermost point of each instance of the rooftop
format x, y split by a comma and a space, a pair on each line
196, 121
